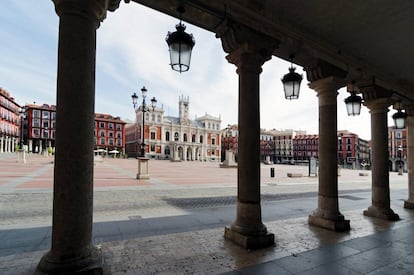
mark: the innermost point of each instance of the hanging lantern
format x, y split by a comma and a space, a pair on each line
353, 103
180, 46
400, 119
291, 83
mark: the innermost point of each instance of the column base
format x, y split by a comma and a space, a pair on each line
408, 204
339, 224
381, 213
249, 241
91, 265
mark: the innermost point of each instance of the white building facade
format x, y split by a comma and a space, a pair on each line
175, 138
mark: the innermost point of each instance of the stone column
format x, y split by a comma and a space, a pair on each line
1, 144
378, 101
248, 50
326, 80
72, 250
409, 203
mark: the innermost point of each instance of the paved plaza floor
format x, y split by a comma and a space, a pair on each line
174, 222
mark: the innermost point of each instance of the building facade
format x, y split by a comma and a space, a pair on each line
397, 147
109, 134
305, 147
39, 130
284, 152
175, 138
352, 150
39, 127
229, 141
9, 122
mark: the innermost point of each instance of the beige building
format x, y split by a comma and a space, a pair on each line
175, 138
284, 144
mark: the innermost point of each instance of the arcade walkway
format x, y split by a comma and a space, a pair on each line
185, 234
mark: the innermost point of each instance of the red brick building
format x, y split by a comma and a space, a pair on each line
305, 147
109, 133
9, 122
397, 147
40, 130
39, 127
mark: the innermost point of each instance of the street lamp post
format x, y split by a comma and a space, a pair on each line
142, 160
400, 167
22, 151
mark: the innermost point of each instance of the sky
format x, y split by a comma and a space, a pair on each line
131, 53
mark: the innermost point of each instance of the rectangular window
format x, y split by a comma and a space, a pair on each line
45, 114
111, 126
45, 123
152, 148
52, 134
36, 133
118, 134
53, 124
111, 134
118, 126
53, 115
36, 122
45, 134
101, 124
119, 142
36, 113
399, 134
111, 141
152, 135
102, 141
102, 133
213, 141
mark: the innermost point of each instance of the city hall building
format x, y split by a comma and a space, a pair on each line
174, 138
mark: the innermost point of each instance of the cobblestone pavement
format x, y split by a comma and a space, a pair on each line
175, 190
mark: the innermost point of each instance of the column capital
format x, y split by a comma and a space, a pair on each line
93, 9
321, 69
246, 47
376, 98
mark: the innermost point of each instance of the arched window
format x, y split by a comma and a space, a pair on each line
201, 139
193, 138
176, 136
185, 137
167, 136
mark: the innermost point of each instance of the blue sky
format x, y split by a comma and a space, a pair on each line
132, 52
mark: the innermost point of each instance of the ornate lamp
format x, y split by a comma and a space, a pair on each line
400, 119
353, 104
180, 46
134, 99
291, 83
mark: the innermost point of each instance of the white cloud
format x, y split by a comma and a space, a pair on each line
132, 52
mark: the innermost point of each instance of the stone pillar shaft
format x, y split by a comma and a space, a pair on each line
409, 203
327, 214
248, 173
248, 50
72, 250
380, 207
